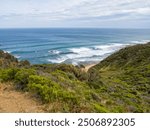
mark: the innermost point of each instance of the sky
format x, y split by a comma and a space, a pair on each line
75, 13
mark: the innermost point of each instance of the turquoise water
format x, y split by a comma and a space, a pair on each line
68, 45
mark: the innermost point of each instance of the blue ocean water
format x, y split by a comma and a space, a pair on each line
73, 46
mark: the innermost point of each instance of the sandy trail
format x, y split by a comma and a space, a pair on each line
14, 101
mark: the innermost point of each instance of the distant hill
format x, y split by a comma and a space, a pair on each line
119, 83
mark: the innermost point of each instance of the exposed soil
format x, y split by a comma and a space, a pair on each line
13, 101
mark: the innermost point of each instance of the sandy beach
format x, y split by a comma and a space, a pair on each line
87, 67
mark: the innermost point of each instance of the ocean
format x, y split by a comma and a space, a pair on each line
73, 46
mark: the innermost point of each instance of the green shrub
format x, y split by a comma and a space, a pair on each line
99, 108
72, 69
22, 76
42, 80
94, 80
47, 89
50, 91
41, 90
69, 97
118, 109
8, 74
59, 73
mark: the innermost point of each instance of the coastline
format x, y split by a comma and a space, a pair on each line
86, 46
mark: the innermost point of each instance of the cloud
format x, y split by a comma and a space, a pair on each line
48, 11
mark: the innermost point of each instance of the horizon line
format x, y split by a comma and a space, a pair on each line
69, 28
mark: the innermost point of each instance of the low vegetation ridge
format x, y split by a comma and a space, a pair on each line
119, 83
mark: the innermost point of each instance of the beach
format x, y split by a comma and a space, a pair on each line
87, 67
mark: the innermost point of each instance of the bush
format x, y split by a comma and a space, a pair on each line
69, 97
100, 108
44, 87
41, 90
42, 80
94, 80
8, 74
50, 91
22, 76
72, 69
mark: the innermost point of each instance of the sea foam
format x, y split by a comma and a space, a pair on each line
87, 54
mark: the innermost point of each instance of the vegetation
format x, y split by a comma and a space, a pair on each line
120, 83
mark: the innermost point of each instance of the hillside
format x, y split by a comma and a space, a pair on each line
126, 78
119, 83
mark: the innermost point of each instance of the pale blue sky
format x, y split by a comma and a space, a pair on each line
75, 13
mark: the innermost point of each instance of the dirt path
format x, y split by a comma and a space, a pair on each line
12, 100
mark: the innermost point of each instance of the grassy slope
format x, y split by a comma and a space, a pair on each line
126, 79
120, 83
